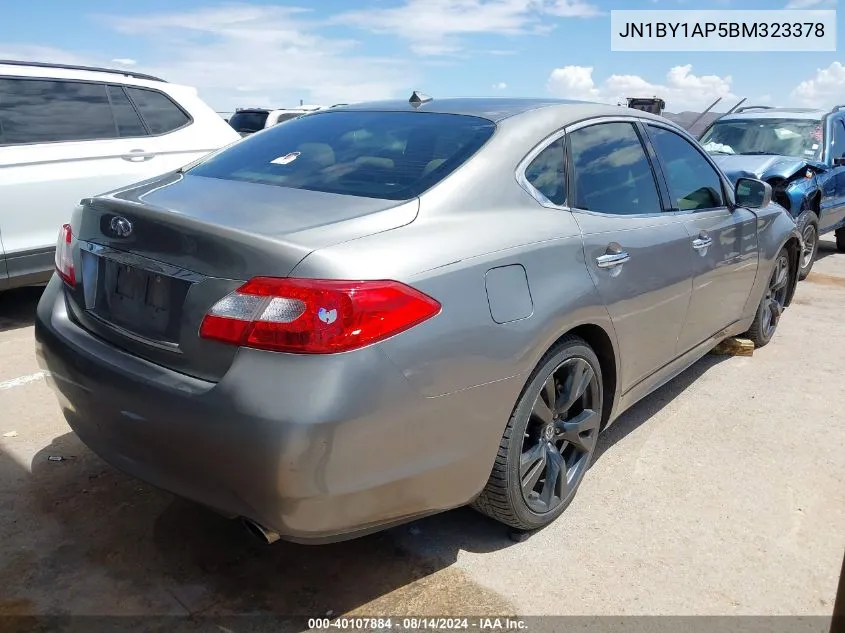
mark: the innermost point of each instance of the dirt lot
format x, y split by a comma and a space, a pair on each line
722, 493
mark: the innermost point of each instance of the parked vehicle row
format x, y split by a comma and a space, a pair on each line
247, 121
381, 311
67, 132
800, 152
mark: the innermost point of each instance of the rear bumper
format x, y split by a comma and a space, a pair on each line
317, 448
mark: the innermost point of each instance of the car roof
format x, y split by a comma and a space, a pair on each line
500, 108
49, 70
809, 114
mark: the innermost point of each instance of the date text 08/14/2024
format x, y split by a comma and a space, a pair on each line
417, 624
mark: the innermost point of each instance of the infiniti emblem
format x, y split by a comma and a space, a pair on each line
121, 227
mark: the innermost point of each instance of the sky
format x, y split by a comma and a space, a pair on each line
276, 53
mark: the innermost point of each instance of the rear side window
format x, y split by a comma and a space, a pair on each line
612, 172
44, 111
160, 114
387, 155
546, 173
125, 117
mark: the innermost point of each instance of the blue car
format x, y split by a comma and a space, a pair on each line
800, 153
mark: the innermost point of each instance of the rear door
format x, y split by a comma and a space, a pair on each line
65, 140
637, 254
722, 241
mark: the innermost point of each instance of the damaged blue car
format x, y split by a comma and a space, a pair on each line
800, 153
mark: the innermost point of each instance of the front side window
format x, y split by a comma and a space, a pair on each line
387, 155
46, 111
837, 146
546, 173
160, 114
612, 172
799, 138
693, 183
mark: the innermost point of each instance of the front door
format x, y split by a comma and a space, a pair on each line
833, 190
637, 255
722, 243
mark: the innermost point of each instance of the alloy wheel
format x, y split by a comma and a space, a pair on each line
775, 297
560, 436
810, 238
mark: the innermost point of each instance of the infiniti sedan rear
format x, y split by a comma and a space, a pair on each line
383, 311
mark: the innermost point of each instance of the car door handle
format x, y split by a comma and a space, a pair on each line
137, 156
612, 259
702, 242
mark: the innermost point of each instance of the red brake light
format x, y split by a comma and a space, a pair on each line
315, 316
64, 256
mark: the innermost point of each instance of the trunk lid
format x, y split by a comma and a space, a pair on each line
154, 258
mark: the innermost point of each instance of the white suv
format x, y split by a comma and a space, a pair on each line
69, 132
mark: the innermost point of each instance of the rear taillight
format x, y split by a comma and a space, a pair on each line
64, 256
315, 316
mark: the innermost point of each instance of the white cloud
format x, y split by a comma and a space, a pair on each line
682, 90
825, 89
810, 4
124, 61
572, 9
261, 54
500, 86
435, 27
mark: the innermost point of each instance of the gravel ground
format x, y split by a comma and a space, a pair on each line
721, 493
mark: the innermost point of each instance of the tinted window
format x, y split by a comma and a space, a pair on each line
693, 183
389, 155
612, 172
127, 120
40, 111
248, 121
546, 173
159, 112
837, 149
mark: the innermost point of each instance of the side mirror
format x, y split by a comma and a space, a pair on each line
839, 162
752, 193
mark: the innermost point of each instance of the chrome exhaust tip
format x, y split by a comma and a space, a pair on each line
265, 535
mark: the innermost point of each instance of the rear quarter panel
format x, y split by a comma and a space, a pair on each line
449, 259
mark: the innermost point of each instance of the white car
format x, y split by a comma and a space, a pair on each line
70, 132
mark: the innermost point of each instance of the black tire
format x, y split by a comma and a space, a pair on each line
503, 499
840, 240
771, 305
808, 224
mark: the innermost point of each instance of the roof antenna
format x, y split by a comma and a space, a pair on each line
418, 98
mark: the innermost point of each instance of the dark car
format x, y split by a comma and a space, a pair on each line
800, 153
247, 121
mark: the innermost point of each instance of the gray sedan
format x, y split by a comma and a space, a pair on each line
387, 310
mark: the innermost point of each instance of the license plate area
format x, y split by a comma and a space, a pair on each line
144, 302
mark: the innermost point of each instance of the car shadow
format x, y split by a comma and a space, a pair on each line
827, 247
17, 307
137, 549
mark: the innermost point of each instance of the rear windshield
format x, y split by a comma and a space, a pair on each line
387, 155
248, 121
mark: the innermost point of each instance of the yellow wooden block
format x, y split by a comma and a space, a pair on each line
734, 347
